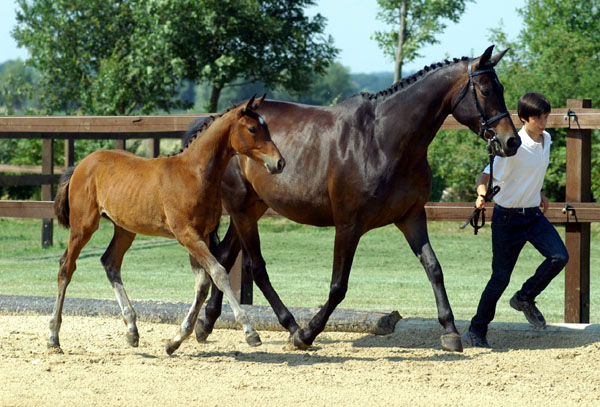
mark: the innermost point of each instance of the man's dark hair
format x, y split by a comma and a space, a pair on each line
533, 104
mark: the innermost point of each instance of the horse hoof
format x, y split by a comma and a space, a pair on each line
452, 342
253, 339
55, 349
201, 331
297, 342
133, 339
170, 347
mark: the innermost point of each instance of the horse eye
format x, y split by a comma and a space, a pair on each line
252, 130
485, 92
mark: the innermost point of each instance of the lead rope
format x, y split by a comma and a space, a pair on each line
489, 195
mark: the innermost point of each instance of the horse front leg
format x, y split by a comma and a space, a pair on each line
226, 254
252, 260
415, 231
346, 241
200, 252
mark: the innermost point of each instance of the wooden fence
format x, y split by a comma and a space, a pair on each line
576, 213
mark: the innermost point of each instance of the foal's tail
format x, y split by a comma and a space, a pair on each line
61, 202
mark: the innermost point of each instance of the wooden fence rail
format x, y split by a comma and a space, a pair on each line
576, 213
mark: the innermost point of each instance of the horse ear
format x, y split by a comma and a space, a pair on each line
496, 58
258, 102
485, 58
249, 104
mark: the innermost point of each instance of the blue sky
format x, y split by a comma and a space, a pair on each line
352, 23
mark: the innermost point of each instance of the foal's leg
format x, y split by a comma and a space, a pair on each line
112, 260
346, 241
415, 231
202, 285
78, 237
199, 250
226, 254
247, 232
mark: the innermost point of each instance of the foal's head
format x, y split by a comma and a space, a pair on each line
250, 136
479, 104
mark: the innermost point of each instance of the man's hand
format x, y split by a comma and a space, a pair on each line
480, 202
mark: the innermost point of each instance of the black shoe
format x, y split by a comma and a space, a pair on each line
473, 340
532, 313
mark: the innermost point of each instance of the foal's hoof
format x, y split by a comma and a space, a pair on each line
54, 349
133, 339
171, 347
297, 342
202, 331
253, 339
452, 342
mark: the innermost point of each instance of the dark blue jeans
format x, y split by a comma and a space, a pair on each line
511, 229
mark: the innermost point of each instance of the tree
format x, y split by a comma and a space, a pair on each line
418, 22
118, 57
97, 56
334, 87
331, 88
556, 53
268, 41
16, 85
456, 159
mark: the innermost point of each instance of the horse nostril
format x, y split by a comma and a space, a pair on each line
280, 164
514, 142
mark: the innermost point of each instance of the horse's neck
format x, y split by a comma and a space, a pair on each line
411, 117
211, 151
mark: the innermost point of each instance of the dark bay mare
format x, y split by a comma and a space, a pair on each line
359, 165
177, 197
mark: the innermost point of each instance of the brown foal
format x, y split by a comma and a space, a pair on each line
177, 197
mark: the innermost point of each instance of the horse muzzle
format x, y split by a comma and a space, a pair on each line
501, 144
274, 166
508, 147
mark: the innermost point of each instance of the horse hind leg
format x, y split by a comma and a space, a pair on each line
112, 260
202, 285
78, 237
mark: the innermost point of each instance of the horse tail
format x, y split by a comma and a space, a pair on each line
61, 202
214, 240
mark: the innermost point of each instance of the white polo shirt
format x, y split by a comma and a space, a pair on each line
521, 176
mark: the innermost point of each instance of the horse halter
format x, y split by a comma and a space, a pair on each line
487, 132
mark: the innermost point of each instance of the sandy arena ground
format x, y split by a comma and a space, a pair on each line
98, 368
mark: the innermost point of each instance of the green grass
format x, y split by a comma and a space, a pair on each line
385, 273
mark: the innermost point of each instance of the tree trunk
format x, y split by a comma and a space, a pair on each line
401, 35
214, 99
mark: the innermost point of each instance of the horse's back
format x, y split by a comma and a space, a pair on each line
324, 147
119, 184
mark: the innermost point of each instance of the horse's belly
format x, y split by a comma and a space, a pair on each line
298, 197
148, 223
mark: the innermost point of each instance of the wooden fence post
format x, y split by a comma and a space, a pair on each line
69, 152
154, 150
120, 144
578, 189
47, 169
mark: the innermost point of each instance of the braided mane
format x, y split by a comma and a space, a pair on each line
411, 80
